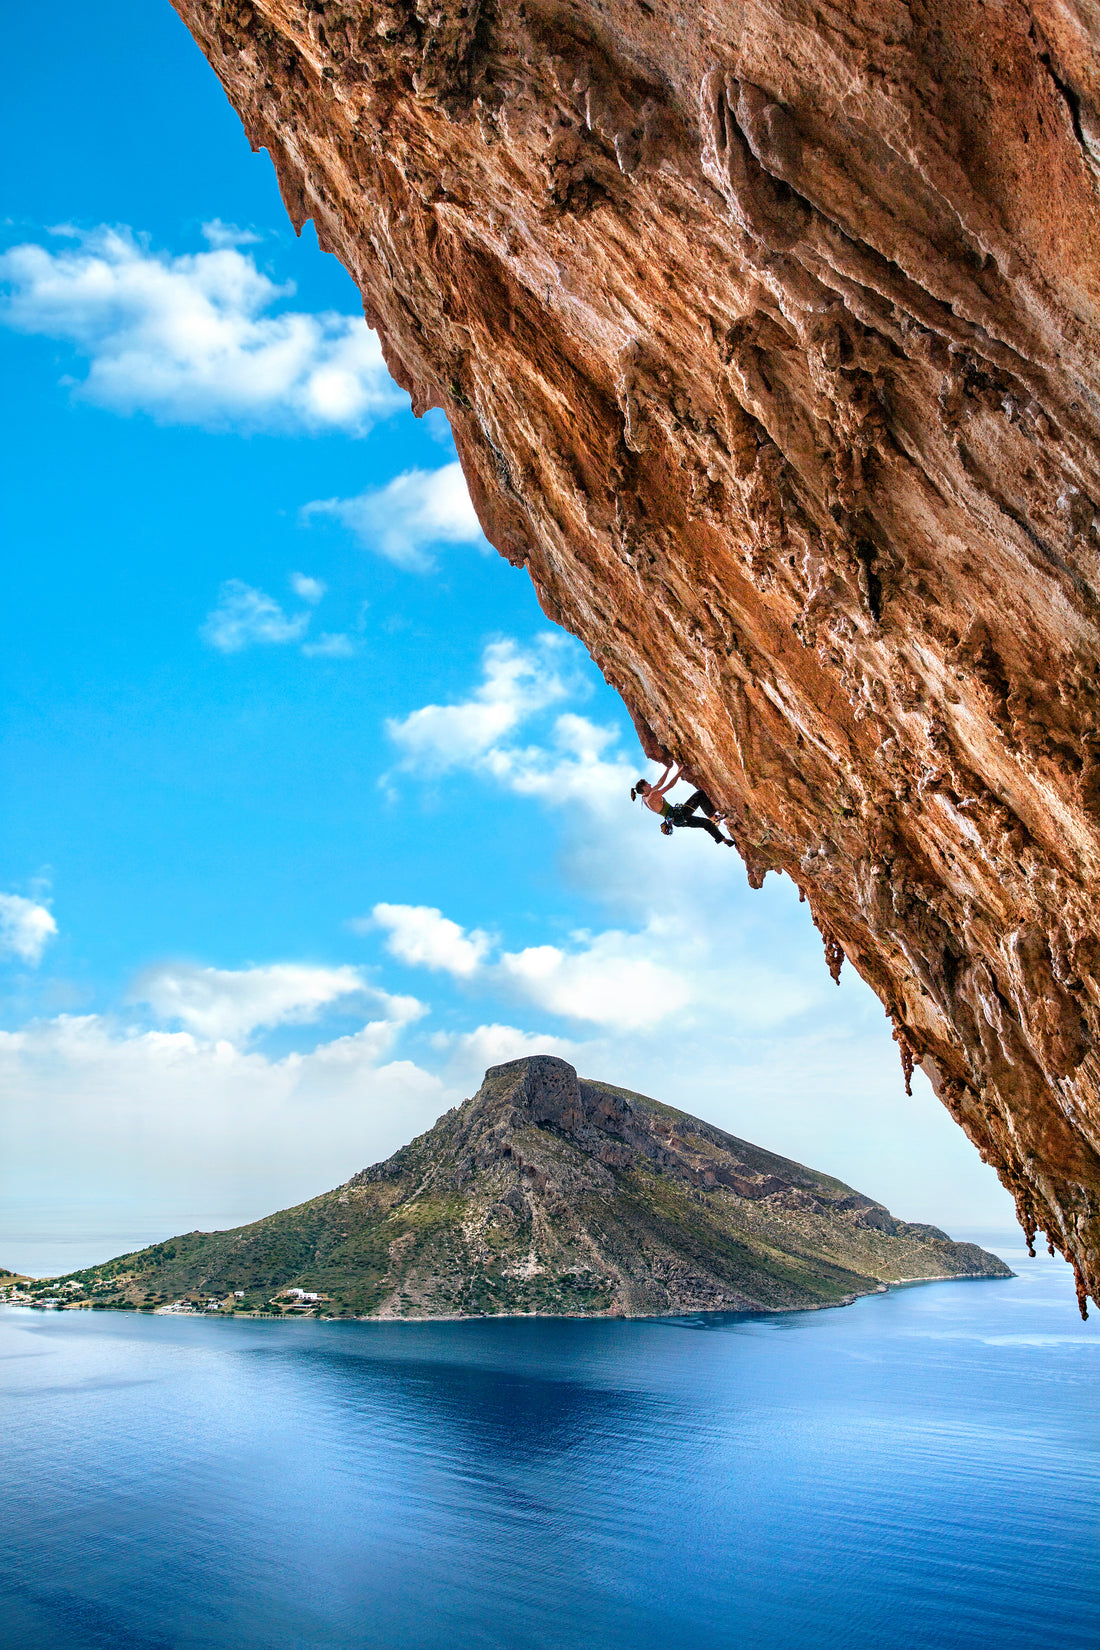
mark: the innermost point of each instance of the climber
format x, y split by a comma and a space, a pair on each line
680, 813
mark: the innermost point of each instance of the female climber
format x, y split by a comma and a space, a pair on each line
680, 813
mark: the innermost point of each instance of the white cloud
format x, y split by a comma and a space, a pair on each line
171, 1130
222, 1003
617, 980
577, 768
694, 952
245, 617
310, 590
686, 957
217, 233
330, 645
192, 339
516, 683
402, 520
423, 937
613, 980
25, 928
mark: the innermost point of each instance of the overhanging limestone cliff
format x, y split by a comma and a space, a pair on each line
769, 336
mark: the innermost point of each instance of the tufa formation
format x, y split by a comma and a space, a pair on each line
548, 1194
769, 336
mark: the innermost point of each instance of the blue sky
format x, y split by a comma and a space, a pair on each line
313, 814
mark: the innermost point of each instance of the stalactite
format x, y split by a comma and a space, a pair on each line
908, 1056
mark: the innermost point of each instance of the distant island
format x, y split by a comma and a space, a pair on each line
545, 1193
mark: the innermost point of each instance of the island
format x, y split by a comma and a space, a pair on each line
547, 1193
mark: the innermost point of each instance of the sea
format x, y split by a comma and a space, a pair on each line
917, 1471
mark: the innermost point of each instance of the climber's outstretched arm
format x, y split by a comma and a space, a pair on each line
654, 795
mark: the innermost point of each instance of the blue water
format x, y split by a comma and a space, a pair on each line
920, 1471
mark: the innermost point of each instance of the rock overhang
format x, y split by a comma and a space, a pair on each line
769, 338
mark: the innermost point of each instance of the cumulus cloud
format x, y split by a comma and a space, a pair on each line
516, 682
612, 980
691, 953
223, 1003
405, 519
578, 766
169, 1128
423, 937
197, 338
218, 233
310, 590
246, 617
26, 928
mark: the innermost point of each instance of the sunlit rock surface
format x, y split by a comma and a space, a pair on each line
769, 338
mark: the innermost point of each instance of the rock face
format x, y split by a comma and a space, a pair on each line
545, 1193
769, 336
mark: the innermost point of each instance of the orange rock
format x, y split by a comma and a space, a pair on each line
769, 338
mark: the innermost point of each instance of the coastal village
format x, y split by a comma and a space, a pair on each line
49, 1295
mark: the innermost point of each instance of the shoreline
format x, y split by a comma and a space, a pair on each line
487, 1317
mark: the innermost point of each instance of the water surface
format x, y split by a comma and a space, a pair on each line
920, 1470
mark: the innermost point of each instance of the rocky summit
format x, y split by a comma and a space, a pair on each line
548, 1193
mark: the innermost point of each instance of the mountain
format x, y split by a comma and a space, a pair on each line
547, 1193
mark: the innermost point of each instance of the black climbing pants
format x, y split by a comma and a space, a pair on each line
684, 814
